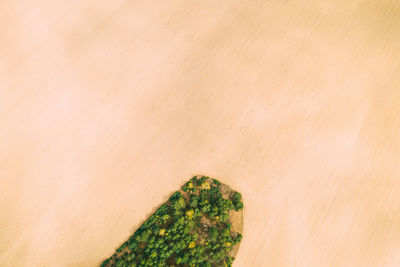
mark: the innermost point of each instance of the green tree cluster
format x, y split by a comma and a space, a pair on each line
191, 229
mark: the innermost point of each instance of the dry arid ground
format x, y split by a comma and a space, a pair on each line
107, 107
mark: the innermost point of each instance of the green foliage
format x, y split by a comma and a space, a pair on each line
216, 182
174, 235
236, 199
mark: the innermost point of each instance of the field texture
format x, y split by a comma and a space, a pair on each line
106, 107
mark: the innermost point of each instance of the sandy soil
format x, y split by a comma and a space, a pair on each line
107, 107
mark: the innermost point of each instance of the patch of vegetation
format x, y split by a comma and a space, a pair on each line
191, 229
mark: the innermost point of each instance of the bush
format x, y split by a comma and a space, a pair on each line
236, 199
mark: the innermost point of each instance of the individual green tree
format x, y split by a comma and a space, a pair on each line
237, 201
213, 234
